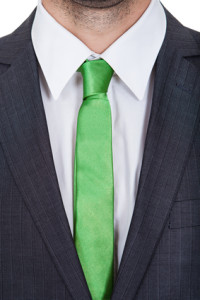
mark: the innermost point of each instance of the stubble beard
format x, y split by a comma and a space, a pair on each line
96, 15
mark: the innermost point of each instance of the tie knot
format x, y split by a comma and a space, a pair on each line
96, 77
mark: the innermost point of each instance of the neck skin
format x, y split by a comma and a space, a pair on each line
97, 28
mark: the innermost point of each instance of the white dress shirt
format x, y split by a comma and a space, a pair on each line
132, 57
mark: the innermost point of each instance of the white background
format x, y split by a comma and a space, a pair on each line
13, 12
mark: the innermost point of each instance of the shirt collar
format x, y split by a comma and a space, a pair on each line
132, 55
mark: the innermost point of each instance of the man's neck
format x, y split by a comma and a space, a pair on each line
96, 28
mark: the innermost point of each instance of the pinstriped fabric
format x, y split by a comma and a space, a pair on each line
27, 271
10, 44
171, 134
174, 272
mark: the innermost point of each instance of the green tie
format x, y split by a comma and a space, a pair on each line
93, 181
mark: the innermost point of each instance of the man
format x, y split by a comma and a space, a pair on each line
99, 156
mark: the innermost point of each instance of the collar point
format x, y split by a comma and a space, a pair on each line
55, 95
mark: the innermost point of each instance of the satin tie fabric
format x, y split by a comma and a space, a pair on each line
93, 181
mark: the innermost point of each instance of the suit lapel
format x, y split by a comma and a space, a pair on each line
25, 141
173, 122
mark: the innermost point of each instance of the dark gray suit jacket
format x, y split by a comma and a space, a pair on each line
161, 260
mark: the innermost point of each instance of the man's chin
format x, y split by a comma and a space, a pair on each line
98, 3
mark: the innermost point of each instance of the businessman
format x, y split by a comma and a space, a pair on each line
100, 154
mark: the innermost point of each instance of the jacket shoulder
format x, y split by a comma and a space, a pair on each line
196, 35
13, 43
195, 59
